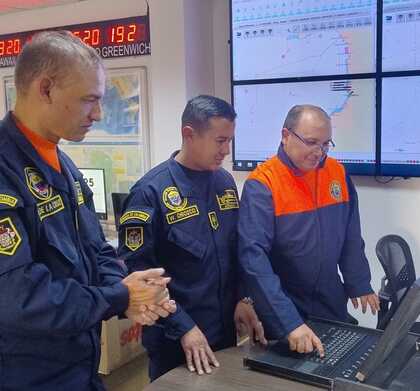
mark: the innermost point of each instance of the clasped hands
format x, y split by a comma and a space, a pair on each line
148, 296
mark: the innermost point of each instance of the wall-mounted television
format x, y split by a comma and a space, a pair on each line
357, 59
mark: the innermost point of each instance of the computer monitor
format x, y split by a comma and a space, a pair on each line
400, 140
95, 179
262, 109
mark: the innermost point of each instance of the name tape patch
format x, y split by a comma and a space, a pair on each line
50, 207
187, 213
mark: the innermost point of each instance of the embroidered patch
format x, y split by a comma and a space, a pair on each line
172, 199
37, 184
8, 200
80, 199
134, 237
9, 237
187, 213
135, 215
50, 207
335, 190
214, 222
228, 201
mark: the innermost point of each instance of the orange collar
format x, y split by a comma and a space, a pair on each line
45, 148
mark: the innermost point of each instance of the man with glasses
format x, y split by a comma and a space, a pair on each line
298, 224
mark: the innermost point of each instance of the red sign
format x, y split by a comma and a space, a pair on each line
111, 38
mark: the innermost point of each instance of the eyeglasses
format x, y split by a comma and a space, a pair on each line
313, 145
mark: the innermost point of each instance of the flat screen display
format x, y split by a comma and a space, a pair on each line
293, 38
357, 59
95, 179
400, 144
262, 109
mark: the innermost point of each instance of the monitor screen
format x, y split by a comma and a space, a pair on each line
360, 63
401, 28
277, 39
95, 179
400, 144
262, 109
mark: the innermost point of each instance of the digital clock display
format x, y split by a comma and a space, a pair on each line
111, 38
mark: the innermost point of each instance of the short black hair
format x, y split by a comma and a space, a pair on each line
202, 108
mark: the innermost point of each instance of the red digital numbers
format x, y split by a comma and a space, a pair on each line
124, 33
91, 37
10, 47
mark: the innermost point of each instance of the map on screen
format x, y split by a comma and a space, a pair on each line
262, 109
295, 38
401, 31
400, 133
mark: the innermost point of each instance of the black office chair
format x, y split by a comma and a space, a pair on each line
395, 256
118, 204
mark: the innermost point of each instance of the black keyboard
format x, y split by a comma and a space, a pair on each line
337, 344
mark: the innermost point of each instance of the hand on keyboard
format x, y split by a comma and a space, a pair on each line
304, 340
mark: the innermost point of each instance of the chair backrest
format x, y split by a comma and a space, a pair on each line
395, 256
118, 204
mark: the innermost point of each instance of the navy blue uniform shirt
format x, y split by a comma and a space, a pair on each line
58, 276
171, 221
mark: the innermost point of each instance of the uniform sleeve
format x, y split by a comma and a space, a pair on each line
256, 234
138, 240
111, 270
32, 302
353, 263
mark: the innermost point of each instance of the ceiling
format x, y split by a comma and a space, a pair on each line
7, 6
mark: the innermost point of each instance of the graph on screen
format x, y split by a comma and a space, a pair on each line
357, 59
400, 133
401, 35
291, 38
262, 108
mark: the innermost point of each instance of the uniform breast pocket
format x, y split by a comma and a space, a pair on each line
60, 254
185, 254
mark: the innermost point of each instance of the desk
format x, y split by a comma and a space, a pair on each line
231, 376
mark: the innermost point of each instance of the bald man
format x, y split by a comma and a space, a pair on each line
298, 224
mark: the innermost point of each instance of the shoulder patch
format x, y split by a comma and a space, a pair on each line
37, 185
8, 200
134, 237
172, 199
9, 237
135, 215
228, 201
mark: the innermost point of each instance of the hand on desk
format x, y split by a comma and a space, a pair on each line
148, 296
304, 340
198, 352
247, 323
371, 299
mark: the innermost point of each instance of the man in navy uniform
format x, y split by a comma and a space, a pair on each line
58, 277
185, 211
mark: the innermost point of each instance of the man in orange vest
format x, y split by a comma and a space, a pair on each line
298, 224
